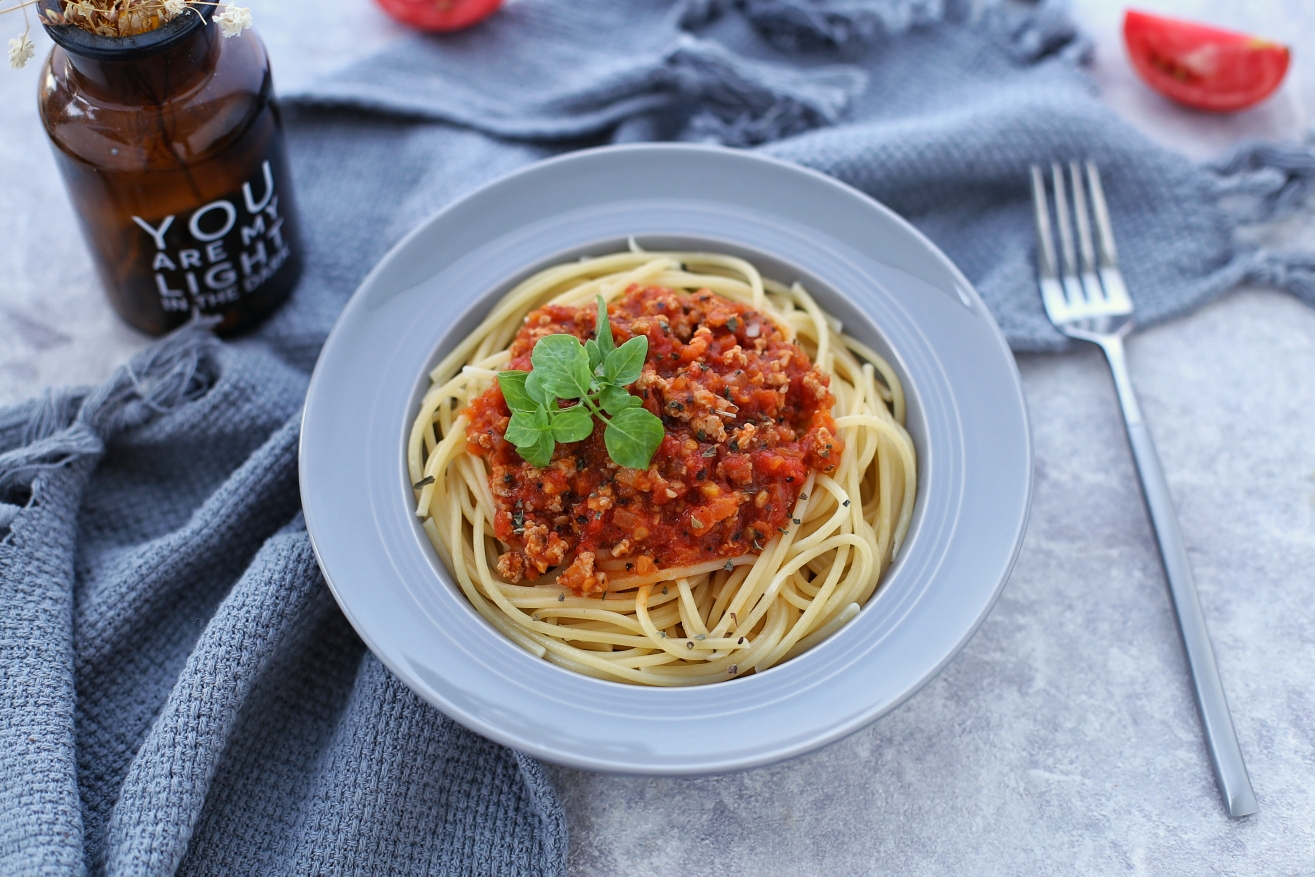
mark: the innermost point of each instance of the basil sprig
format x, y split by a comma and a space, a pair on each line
596, 373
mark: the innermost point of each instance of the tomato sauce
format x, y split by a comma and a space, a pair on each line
747, 417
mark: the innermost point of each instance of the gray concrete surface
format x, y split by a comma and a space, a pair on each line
1064, 738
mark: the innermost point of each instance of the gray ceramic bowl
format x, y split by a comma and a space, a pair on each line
892, 288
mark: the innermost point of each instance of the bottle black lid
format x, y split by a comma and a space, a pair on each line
86, 44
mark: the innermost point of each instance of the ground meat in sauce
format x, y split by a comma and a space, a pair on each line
747, 417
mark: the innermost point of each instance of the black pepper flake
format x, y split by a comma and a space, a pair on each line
733, 669
710, 452
675, 355
538, 485
729, 566
509, 479
803, 496
703, 473
846, 503
428, 479
675, 406
796, 520
707, 548
733, 324
740, 641
756, 546
735, 445
581, 520
784, 530
737, 536
629, 567
689, 644
561, 598
789, 478
664, 587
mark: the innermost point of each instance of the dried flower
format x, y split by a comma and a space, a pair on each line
233, 20
21, 51
120, 18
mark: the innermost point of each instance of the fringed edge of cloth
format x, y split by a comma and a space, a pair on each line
1261, 182
67, 425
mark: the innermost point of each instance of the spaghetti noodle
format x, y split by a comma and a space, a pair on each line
601, 602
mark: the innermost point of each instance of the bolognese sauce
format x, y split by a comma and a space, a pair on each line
746, 415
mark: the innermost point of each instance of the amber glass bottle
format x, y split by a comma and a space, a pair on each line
171, 146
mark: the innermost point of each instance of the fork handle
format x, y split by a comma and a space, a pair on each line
1220, 737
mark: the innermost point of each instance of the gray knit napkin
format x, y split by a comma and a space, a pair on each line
178, 690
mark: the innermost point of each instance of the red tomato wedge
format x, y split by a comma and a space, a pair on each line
1203, 67
440, 15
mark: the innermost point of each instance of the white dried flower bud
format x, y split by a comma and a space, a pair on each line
174, 8
21, 51
233, 20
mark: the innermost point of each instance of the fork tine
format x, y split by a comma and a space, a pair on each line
1103, 232
1072, 286
1109, 257
1090, 283
1041, 213
1080, 214
1052, 294
1110, 278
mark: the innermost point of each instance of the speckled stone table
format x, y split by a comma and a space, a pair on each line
1064, 738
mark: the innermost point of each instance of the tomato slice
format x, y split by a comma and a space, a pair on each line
1203, 67
440, 15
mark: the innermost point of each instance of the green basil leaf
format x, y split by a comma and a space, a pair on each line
526, 427
534, 389
512, 384
615, 399
625, 364
595, 355
633, 437
562, 365
539, 455
603, 332
572, 424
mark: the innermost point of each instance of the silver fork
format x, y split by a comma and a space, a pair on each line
1088, 300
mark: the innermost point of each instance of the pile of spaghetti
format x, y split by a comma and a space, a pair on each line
781, 489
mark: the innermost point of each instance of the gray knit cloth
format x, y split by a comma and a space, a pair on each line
178, 691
